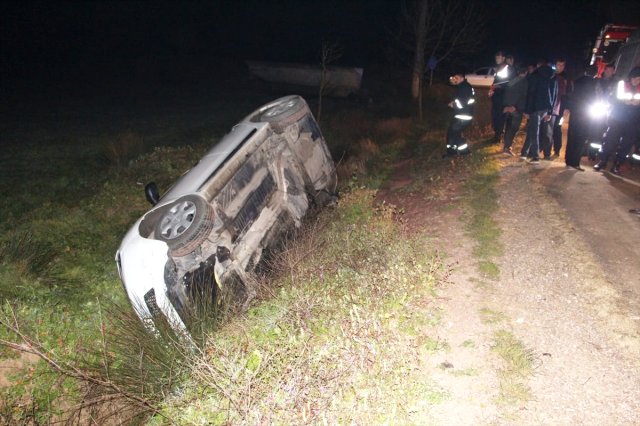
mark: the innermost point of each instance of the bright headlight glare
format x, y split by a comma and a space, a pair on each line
635, 157
462, 147
595, 145
599, 110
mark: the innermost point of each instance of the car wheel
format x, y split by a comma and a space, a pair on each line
288, 111
185, 225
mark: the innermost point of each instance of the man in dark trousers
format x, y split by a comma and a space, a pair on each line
623, 122
515, 101
462, 106
542, 91
585, 94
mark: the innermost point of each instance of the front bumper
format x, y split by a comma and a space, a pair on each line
141, 265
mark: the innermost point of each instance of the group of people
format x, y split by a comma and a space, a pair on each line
541, 93
538, 93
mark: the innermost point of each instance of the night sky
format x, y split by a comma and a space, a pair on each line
77, 40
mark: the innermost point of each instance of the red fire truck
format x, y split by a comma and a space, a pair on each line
611, 37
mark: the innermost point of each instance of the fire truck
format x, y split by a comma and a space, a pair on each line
625, 58
628, 55
607, 44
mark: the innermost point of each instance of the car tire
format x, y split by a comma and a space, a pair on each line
185, 225
284, 113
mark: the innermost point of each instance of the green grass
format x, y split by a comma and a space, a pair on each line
467, 372
469, 344
518, 367
482, 204
342, 336
489, 316
56, 263
334, 334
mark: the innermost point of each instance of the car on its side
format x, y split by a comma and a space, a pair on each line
213, 225
482, 77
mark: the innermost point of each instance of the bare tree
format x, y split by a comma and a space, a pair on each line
438, 29
330, 52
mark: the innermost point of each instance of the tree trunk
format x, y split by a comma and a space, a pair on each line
418, 62
420, 103
323, 83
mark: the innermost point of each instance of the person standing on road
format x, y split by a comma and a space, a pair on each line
564, 87
509, 59
496, 93
608, 80
462, 106
584, 94
515, 102
623, 122
541, 97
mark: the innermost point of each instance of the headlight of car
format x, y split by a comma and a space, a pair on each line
599, 110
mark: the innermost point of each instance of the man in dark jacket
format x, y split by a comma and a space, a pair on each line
584, 95
515, 101
462, 105
542, 91
623, 122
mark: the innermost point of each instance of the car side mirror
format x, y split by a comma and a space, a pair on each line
151, 193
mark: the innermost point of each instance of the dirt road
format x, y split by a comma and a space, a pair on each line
568, 290
570, 285
598, 204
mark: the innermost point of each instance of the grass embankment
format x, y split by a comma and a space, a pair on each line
341, 338
66, 203
56, 261
481, 225
345, 324
482, 204
340, 332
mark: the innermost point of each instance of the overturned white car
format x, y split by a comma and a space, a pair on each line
213, 225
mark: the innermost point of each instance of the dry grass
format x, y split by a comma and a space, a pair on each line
394, 127
344, 129
358, 163
333, 343
368, 149
126, 147
518, 367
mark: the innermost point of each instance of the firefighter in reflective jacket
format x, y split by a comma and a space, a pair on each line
462, 106
623, 122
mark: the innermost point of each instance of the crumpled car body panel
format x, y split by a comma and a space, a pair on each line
257, 183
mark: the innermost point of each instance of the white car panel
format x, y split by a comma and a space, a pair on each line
213, 225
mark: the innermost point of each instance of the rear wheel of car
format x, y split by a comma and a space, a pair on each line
284, 113
185, 225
